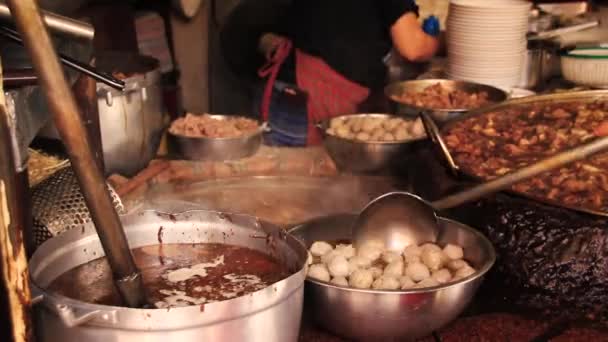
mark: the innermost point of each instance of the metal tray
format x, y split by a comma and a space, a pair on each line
282, 200
582, 96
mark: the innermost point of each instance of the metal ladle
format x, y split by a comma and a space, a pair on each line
399, 219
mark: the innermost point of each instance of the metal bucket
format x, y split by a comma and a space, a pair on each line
271, 314
131, 121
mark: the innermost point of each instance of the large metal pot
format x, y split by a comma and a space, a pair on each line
373, 315
131, 121
271, 314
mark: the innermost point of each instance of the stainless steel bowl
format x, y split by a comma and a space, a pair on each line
440, 115
373, 314
203, 148
359, 156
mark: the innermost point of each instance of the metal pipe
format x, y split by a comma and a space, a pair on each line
70, 62
74, 135
60, 24
506, 181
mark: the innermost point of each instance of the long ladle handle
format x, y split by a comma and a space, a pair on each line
433, 133
506, 181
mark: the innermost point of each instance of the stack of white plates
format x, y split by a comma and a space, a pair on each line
486, 40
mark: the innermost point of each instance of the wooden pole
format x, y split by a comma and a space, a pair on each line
13, 258
72, 130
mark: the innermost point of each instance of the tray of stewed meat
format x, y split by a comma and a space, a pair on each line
494, 141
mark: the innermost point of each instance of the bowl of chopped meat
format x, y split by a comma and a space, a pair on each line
444, 100
214, 137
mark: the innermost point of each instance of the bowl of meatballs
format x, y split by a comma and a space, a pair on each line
373, 293
367, 143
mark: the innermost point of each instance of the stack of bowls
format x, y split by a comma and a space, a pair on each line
486, 40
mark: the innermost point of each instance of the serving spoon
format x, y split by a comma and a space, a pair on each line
400, 219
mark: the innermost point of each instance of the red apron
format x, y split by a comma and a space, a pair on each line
329, 93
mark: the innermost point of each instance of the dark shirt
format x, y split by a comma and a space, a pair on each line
352, 36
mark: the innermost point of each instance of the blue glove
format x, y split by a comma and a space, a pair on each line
430, 25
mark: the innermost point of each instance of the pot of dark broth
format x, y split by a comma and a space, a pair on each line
208, 276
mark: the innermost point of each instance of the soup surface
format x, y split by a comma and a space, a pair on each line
177, 275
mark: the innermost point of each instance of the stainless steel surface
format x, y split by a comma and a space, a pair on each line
371, 314
26, 111
305, 199
579, 96
362, 157
131, 121
75, 137
216, 148
269, 315
440, 115
539, 64
398, 220
70, 62
58, 205
57, 23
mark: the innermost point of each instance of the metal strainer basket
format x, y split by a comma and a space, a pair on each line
58, 205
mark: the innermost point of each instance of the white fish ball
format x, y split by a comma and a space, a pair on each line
412, 259
370, 251
343, 132
464, 272
320, 248
357, 125
335, 123
309, 259
430, 247
340, 281
428, 282
412, 250
401, 134
388, 137
455, 265
348, 251
363, 136
369, 124
417, 128
442, 276
417, 271
406, 282
361, 279
453, 252
327, 257
319, 272
358, 262
386, 283
338, 266
376, 272
432, 259
394, 269
390, 256
391, 124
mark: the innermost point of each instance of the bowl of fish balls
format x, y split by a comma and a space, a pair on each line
373, 293
370, 142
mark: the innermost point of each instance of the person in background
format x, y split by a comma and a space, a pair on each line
325, 55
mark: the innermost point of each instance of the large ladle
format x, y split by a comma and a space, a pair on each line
399, 219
